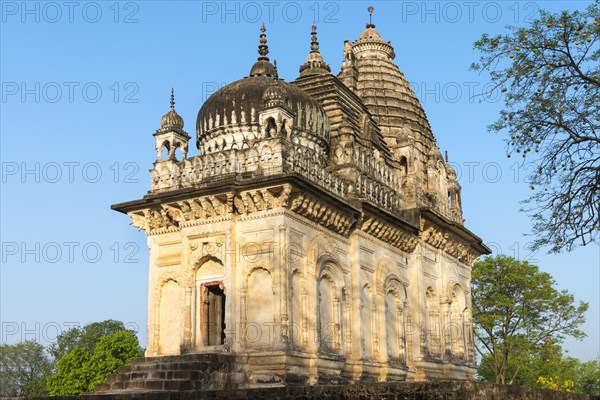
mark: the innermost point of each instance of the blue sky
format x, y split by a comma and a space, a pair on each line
84, 85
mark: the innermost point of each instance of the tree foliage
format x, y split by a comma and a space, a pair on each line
86, 337
549, 73
516, 311
79, 371
72, 375
548, 368
23, 369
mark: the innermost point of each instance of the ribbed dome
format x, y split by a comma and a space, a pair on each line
232, 115
239, 104
384, 89
263, 67
171, 120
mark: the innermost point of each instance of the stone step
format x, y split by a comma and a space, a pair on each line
172, 373
102, 387
192, 375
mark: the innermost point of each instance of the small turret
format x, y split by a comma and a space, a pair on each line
171, 134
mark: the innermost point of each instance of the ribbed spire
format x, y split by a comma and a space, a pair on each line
263, 49
314, 62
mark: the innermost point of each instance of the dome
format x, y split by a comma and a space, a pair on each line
232, 115
262, 67
239, 104
171, 120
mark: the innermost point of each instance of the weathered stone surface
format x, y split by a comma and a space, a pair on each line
317, 237
373, 391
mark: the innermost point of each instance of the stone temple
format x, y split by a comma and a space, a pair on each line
316, 238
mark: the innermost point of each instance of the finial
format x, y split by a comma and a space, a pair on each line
275, 63
263, 49
172, 99
370, 10
314, 45
446, 155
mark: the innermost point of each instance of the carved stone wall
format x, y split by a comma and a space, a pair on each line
318, 233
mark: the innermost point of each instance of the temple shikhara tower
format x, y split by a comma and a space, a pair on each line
317, 236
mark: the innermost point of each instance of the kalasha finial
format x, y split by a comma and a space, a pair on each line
370, 9
446, 155
172, 99
314, 45
263, 49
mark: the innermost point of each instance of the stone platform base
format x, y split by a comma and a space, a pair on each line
370, 391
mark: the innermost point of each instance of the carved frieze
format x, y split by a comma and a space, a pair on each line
171, 217
322, 213
263, 199
389, 234
449, 243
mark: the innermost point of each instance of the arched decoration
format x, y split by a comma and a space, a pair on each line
321, 252
457, 318
161, 154
170, 318
260, 317
432, 324
297, 301
251, 159
403, 166
209, 265
394, 300
330, 320
208, 318
270, 128
385, 272
267, 162
285, 128
366, 321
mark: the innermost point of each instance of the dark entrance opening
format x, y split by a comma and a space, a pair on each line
215, 316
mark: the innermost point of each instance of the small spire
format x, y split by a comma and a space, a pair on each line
275, 63
446, 155
263, 49
314, 62
314, 44
370, 24
172, 99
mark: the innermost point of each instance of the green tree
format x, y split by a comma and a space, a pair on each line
86, 337
72, 375
587, 377
79, 371
549, 73
23, 369
545, 360
516, 312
